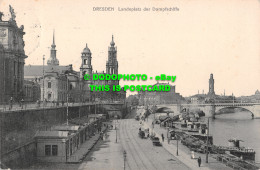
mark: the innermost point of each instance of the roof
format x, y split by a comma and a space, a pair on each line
157, 84
95, 115
66, 128
36, 70
58, 134
86, 49
162, 118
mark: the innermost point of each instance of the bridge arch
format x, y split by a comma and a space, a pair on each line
250, 108
211, 109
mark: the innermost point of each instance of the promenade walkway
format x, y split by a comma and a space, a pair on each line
184, 154
84, 149
31, 106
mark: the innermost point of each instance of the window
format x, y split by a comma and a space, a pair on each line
54, 150
85, 61
49, 96
49, 84
51, 150
71, 86
47, 150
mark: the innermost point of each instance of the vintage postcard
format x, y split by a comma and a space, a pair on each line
127, 84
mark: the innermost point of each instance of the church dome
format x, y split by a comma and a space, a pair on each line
257, 92
86, 49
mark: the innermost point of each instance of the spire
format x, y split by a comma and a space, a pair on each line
53, 60
53, 40
112, 42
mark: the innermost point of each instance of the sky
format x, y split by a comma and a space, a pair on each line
203, 37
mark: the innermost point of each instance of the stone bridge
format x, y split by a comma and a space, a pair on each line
211, 109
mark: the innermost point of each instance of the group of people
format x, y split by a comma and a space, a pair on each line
162, 136
11, 102
53, 103
38, 103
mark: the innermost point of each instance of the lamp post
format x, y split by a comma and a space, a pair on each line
43, 59
67, 99
177, 151
89, 102
43, 76
124, 158
116, 131
95, 106
207, 143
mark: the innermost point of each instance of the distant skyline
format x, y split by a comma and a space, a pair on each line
203, 37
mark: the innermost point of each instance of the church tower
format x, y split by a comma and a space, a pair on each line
112, 64
86, 67
211, 86
53, 60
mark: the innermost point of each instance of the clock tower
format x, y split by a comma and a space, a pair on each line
86, 67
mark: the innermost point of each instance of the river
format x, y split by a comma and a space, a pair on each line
237, 125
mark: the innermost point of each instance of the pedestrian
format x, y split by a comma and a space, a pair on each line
101, 135
11, 103
38, 103
199, 161
162, 137
44, 102
192, 155
22, 103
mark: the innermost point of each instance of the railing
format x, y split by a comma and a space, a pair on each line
222, 104
30, 106
230, 148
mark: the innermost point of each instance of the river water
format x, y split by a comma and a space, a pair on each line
237, 125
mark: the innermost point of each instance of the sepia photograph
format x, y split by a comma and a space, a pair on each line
130, 85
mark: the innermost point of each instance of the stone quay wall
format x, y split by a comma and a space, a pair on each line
18, 128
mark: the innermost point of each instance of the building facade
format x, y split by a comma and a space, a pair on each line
61, 142
32, 91
12, 59
159, 97
56, 81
